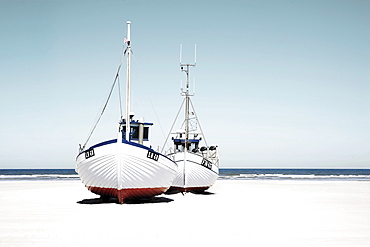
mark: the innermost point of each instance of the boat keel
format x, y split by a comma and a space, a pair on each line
124, 194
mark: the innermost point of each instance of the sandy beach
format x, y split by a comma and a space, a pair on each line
233, 213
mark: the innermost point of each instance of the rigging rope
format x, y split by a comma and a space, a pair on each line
120, 98
109, 96
173, 125
155, 113
200, 127
104, 107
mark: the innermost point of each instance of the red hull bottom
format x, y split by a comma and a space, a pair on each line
174, 189
124, 194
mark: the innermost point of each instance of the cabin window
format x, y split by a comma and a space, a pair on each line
146, 133
180, 147
194, 147
135, 133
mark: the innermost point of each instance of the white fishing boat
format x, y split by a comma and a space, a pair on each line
125, 167
198, 165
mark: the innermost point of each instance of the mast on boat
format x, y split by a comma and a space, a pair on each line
185, 67
128, 50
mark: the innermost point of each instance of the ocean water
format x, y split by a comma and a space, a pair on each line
38, 174
291, 174
235, 174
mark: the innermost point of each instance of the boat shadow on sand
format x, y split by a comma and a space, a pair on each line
205, 193
128, 201
191, 192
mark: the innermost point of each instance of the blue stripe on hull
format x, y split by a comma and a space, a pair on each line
123, 141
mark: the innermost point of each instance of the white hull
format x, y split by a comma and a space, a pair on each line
125, 170
195, 173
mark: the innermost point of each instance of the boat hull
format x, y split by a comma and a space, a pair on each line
195, 173
125, 170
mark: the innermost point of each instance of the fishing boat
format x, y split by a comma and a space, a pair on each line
125, 167
198, 164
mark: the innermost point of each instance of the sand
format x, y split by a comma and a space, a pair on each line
234, 213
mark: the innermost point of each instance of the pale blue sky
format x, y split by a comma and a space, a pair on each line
279, 84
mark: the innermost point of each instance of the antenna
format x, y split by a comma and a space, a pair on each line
182, 65
128, 31
185, 67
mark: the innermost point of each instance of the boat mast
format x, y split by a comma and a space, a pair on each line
128, 50
185, 68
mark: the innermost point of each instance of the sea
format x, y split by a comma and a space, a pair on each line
224, 174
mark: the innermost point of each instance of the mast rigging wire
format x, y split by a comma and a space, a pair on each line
104, 107
116, 79
200, 127
173, 125
156, 115
120, 97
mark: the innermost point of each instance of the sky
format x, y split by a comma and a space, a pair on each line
278, 83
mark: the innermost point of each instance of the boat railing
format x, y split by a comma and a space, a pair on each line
210, 153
